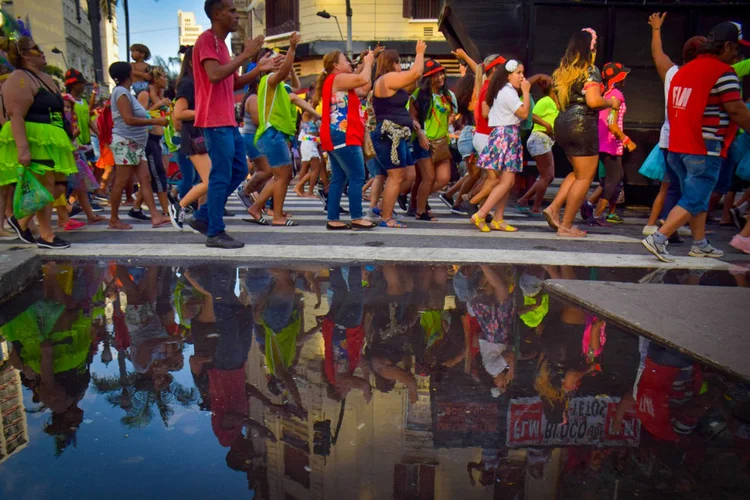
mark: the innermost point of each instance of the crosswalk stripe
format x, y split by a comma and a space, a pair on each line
258, 253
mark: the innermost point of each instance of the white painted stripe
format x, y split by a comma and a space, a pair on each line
466, 231
253, 254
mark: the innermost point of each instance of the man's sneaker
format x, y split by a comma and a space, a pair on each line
243, 197
707, 251
56, 243
343, 211
659, 251
615, 219
100, 199
223, 240
740, 243
587, 210
649, 230
412, 212
447, 200
676, 239
737, 219
176, 216
469, 208
24, 235
95, 207
403, 202
458, 211
76, 209
138, 215
227, 213
197, 225
322, 195
597, 221
684, 231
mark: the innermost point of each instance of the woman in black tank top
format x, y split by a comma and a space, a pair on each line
394, 127
33, 101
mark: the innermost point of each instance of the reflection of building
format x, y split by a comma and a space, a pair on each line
187, 28
397, 24
14, 434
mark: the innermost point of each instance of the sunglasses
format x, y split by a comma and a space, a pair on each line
36, 49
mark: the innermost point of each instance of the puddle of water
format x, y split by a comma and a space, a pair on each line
362, 381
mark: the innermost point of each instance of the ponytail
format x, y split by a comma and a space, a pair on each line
329, 61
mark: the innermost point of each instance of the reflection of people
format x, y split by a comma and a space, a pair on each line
52, 349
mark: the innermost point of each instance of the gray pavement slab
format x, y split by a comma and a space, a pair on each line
18, 268
706, 322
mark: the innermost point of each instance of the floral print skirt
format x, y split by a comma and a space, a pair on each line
504, 150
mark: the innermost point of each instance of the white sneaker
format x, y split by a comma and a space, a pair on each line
707, 251
684, 231
649, 230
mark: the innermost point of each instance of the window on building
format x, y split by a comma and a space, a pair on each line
282, 16
422, 9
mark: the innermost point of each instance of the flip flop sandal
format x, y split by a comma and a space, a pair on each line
550, 221
426, 217
501, 225
480, 223
261, 221
288, 223
331, 227
163, 224
396, 224
357, 225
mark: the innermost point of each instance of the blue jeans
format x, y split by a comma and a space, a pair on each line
228, 169
347, 163
188, 174
697, 176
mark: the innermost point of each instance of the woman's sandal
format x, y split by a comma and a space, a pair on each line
425, 217
332, 227
261, 221
287, 223
480, 224
359, 225
552, 223
501, 225
572, 232
396, 224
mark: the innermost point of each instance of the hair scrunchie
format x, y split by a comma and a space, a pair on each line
511, 66
592, 32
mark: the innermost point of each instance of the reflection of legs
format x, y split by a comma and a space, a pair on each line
584, 168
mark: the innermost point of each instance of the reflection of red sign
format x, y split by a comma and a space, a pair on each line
466, 417
589, 422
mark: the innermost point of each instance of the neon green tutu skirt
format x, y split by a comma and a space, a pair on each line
46, 142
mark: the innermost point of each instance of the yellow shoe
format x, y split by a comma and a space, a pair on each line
501, 225
480, 224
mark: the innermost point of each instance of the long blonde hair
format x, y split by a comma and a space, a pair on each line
329, 61
574, 66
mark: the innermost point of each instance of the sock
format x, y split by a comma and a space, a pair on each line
659, 238
701, 243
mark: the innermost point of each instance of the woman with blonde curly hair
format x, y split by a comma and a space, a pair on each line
34, 137
579, 88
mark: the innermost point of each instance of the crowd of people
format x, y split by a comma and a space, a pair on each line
405, 128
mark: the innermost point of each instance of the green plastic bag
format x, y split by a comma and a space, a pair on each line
30, 195
169, 133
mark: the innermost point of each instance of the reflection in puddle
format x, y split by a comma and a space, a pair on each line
356, 381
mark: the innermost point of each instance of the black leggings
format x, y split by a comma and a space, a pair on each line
155, 164
614, 175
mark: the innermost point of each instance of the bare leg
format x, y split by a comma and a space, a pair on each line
489, 184
123, 176
315, 166
499, 191
584, 169
390, 193
377, 189
728, 204
546, 165
427, 171
202, 164
144, 178
658, 205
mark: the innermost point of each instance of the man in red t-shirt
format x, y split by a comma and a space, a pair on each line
704, 109
216, 79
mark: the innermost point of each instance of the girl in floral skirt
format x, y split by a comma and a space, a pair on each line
503, 156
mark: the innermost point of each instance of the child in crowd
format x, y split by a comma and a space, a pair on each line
141, 70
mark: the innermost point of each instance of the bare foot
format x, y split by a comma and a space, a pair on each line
160, 221
118, 224
552, 218
571, 232
255, 213
97, 218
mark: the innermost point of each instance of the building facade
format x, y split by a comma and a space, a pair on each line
397, 24
188, 29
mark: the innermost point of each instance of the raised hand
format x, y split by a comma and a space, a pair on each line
459, 54
656, 19
421, 47
252, 47
525, 86
294, 40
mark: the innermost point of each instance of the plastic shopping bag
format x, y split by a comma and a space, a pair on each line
654, 167
30, 195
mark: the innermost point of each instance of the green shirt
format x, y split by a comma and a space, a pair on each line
438, 118
546, 109
528, 123
81, 110
742, 68
281, 114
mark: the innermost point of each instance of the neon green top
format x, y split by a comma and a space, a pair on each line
282, 114
81, 109
546, 109
533, 318
282, 346
437, 120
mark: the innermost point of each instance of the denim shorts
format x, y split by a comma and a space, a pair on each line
418, 152
251, 150
383, 146
539, 143
697, 175
274, 145
375, 168
727, 180
466, 142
